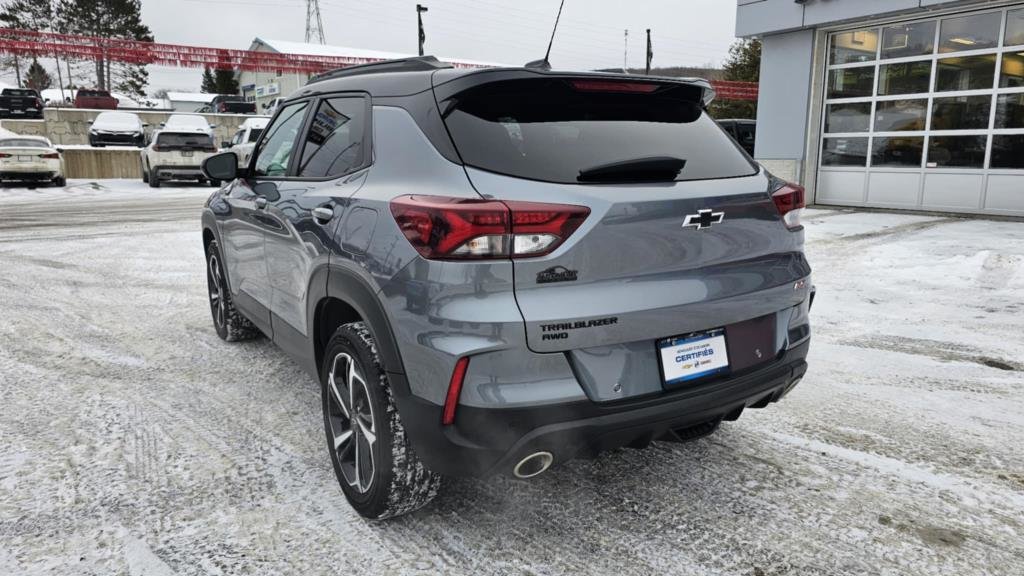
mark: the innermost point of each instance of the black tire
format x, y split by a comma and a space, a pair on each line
145, 173
60, 181
230, 325
214, 183
397, 482
154, 181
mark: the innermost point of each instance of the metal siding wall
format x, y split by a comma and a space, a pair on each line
755, 17
785, 96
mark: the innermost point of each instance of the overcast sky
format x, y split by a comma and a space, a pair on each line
685, 32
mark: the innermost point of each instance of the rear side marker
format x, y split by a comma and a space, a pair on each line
451, 401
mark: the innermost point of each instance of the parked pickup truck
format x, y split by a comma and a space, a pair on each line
95, 99
20, 103
226, 104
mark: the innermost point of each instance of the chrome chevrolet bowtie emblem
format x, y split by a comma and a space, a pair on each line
703, 219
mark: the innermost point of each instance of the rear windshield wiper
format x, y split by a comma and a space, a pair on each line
656, 169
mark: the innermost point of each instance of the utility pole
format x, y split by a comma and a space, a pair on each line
650, 54
420, 9
314, 24
625, 51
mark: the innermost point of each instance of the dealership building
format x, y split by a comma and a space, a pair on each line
914, 104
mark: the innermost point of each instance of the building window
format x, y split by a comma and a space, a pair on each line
845, 152
1008, 151
956, 151
852, 117
961, 113
903, 40
905, 78
975, 32
1014, 28
933, 107
856, 46
851, 82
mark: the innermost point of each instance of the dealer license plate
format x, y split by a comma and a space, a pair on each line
691, 357
186, 153
26, 159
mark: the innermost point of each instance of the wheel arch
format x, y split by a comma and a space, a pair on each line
339, 296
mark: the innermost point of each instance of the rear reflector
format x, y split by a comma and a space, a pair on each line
614, 86
451, 401
789, 200
442, 228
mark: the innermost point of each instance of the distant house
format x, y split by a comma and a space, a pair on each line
188, 101
263, 87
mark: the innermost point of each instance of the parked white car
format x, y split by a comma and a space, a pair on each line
176, 156
244, 140
117, 129
31, 159
188, 123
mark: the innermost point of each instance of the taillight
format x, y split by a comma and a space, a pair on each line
157, 148
39, 103
451, 400
442, 228
789, 200
614, 86
4, 155
50, 156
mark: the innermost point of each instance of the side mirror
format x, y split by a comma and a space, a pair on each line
162, 124
212, 126
225, 144
145, 124
59, 150
222, 166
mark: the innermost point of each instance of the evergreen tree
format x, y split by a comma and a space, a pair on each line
209, 85
25, 15
120, 19
226, 82
743, 65
37, 78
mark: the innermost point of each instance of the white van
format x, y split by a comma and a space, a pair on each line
244, 140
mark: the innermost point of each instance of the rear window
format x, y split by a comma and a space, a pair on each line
93, 93
184, 141
549, 130
18, 92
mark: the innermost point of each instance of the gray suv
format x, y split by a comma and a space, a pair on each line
497, 270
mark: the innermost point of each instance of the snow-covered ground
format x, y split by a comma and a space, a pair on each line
133, 441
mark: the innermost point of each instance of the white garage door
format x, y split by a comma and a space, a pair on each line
927, 114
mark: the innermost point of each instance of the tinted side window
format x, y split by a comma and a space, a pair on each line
334, 143
276, 149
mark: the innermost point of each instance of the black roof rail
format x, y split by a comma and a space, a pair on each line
413, 64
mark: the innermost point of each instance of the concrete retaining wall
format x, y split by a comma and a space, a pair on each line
101, 163
70, 126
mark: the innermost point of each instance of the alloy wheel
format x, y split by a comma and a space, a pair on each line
215, 282
352, 422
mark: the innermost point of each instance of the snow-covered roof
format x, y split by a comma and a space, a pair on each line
287, 47
190, 97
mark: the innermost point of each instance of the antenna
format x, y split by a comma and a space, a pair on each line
625, 51
314, 24
544, 63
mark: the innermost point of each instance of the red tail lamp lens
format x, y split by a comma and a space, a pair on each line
442, 228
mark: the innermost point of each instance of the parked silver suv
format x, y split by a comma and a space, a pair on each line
497, 270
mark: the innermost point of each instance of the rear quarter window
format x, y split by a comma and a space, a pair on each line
546, 129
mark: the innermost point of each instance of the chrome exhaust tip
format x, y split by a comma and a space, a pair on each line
533, 465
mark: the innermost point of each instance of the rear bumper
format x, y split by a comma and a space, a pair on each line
34, 175
177, 172
485, 441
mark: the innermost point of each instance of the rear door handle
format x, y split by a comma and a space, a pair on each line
261, 202
322, 214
